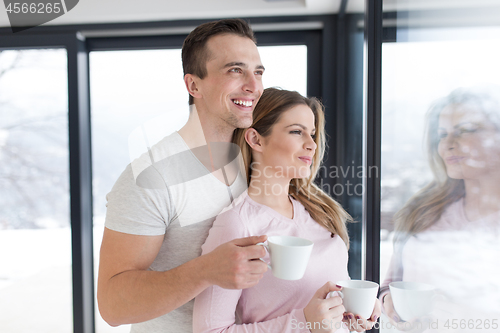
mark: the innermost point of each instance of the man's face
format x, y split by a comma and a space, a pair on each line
233, 84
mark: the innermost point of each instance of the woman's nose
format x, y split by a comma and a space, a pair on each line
450, 141
310, 144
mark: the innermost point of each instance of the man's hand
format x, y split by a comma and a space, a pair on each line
236, 264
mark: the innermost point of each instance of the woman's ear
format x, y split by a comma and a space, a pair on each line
191, 82
254, 139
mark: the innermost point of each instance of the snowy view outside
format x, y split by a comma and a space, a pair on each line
35, 237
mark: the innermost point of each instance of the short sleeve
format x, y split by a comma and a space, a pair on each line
136, 210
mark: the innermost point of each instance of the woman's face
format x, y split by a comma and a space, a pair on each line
288, 151
469, 143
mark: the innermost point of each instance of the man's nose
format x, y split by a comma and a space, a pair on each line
252, 84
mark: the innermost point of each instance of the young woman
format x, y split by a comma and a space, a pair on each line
448, 234
282, 152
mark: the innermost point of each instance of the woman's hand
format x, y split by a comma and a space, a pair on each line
396, 321
359, 324
389, 310
324, 315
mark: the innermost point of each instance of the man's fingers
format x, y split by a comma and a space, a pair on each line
257, 266
247, 241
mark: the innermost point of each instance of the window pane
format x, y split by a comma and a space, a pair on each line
286, 67
440, 93
35, 235
136, 91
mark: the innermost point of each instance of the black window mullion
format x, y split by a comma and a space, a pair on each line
81, 186
372, 139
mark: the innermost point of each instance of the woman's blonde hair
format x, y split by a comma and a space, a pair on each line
425, 208
322, 208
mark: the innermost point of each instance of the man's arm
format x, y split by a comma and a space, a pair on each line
128, 293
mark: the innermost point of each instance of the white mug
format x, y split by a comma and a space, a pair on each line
289, 256
412, 299
358, 296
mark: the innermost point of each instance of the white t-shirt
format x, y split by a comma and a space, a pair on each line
168, 191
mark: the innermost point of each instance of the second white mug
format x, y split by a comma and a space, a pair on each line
358, 296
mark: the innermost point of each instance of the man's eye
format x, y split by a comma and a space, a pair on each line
259, 72
235, 70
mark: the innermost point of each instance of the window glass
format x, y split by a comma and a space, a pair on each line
440, 133
35, 234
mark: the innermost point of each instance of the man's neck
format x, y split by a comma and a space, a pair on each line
204, 140
200, 130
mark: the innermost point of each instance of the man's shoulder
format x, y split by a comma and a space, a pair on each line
166, 161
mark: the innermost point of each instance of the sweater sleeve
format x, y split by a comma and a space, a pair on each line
214, 309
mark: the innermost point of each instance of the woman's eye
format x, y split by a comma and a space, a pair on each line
313, 136
467, 130
296, 132
442, 135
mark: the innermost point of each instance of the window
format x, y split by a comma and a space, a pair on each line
35, 234
425, 70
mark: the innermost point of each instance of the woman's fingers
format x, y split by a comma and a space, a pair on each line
357, 323
389, 310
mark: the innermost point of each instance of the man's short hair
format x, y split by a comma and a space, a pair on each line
194, 52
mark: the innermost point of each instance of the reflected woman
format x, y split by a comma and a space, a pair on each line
283, 150
447, 235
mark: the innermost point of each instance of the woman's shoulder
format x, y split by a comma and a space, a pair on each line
239, 214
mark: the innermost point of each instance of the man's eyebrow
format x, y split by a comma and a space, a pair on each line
241, 64
235, 63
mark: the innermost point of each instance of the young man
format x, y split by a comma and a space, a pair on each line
162, 206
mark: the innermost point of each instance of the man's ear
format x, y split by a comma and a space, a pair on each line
254, 139
191, 82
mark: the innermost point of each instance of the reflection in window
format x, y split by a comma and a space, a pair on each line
441, 95
35, 236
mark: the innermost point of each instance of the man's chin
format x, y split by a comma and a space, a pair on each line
244, 123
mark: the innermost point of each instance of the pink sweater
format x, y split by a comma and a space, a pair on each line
273, 305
